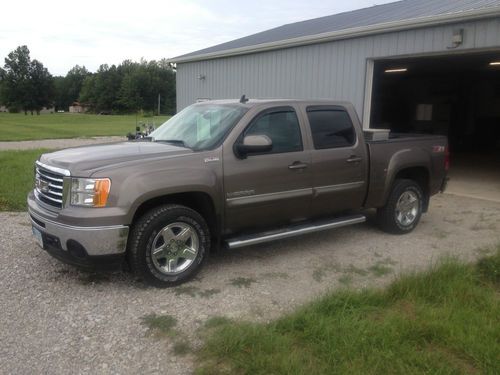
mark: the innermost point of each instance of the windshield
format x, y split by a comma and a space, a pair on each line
199, 126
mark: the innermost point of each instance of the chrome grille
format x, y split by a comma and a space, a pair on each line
49, 184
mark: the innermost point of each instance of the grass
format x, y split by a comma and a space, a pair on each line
16, 167
181, 348
216, 321
193, 291
209, 293
242, 282
163, 327
160, 325
380, 269
18, 127
186, 290
443, 321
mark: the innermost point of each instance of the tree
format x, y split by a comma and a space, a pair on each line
26, 84
130, 87
42, 86
2, 82
100, 90
68, 88
16, 85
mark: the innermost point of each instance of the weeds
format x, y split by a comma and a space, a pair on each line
160, 325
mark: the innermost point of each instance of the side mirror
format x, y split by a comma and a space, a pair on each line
253, 144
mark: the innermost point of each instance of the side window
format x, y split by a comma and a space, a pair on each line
282, 127
331, 128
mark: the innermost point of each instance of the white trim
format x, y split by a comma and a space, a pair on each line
367, 106
348, 33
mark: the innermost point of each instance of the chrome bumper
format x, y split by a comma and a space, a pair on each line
97, 241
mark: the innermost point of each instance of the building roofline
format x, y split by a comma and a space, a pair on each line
348, 33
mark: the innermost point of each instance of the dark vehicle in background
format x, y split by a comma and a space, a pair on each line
232, 173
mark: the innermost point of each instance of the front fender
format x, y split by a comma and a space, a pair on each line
143, 186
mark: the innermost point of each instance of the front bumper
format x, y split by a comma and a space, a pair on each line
81, 245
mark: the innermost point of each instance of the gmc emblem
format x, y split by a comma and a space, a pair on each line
42, 185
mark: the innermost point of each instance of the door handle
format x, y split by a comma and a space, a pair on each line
297, 165
354, 159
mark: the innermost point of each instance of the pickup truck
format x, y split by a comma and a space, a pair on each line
228, 173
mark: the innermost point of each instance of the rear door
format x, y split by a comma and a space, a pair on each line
270, 188
339, 165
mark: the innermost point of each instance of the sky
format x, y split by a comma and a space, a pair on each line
62, 34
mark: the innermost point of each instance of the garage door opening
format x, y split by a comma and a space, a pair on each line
457, 96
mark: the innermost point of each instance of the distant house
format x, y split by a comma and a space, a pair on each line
3, 108
77, 107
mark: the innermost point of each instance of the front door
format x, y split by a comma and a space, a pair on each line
270, 188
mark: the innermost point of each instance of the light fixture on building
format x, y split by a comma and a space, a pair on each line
201, 77
396, 70
457, 39
495, 63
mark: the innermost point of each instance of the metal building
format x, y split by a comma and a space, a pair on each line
414, 65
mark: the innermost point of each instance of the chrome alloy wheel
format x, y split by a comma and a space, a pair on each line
407, 208
175, 248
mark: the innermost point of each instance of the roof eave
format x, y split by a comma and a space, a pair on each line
347, 34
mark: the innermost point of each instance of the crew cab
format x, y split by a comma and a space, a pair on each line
229, 173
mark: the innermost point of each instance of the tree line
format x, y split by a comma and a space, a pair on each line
26, 85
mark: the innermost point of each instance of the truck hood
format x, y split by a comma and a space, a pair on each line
85, 160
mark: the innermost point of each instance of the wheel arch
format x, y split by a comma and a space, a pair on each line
418, 174
199, 201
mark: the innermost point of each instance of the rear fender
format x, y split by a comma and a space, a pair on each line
402, 160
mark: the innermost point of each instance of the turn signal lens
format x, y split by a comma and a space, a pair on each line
90, 192
101, 192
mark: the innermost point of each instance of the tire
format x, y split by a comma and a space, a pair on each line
168, 245
403, 208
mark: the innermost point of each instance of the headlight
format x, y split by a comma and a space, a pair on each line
90, 192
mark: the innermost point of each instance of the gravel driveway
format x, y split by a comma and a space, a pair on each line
55, 319
58, 143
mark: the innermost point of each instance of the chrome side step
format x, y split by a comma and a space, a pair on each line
234, 243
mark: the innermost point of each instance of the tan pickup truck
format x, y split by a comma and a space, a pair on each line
229, 173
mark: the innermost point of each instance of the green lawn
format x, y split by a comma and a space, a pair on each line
16, 169
444, 321
19, 127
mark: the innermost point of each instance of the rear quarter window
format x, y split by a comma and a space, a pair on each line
331, 128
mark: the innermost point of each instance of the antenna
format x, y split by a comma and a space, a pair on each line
244, 99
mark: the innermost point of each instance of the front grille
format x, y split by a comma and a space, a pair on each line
49, 185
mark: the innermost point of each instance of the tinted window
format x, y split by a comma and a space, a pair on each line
331, 128
282, 127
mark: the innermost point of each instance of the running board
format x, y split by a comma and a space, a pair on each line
236, 242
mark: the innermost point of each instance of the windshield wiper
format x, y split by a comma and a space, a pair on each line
175, 142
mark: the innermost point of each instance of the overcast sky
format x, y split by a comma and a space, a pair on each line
62, 34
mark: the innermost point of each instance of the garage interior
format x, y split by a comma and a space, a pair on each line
456, 95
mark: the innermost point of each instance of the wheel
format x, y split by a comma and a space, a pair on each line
403, 209
168, 245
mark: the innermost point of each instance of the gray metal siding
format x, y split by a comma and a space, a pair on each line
333, 70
